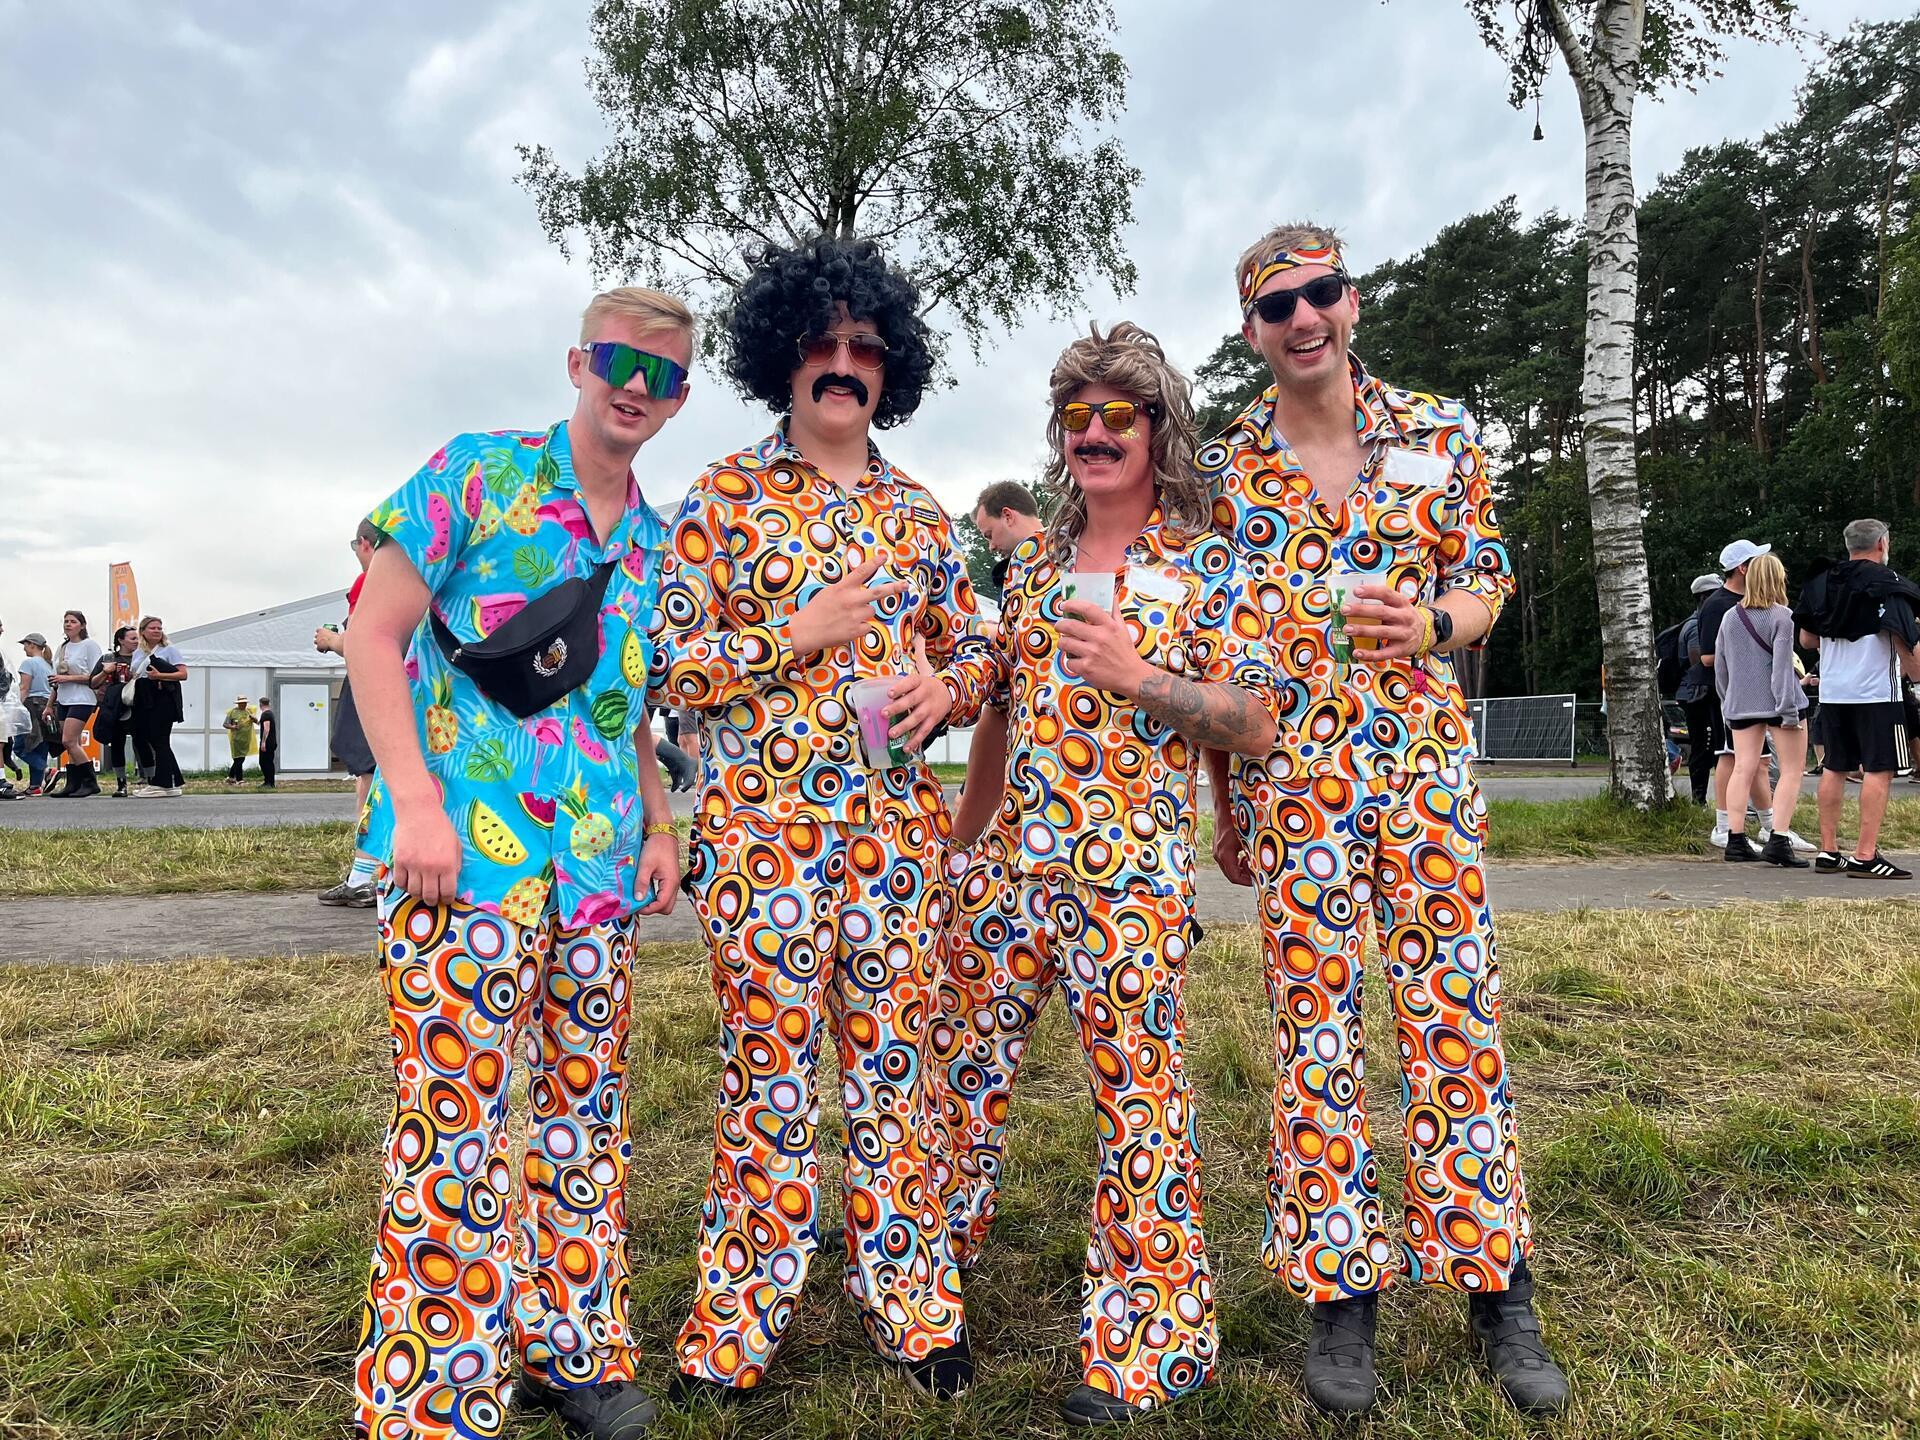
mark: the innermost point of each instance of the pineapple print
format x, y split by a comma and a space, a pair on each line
524, 903
523, 515
443, 726
592, 833
488, 525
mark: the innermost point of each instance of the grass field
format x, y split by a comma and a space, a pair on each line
1719, 1124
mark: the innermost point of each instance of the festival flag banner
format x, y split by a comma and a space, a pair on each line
123, 596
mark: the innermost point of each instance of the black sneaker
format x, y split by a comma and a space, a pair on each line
1508, 1333
1779, 851
1088, 1406
944, 1373
611, 1410
1878, 868
1829, 862
1740, 848
1340, 1376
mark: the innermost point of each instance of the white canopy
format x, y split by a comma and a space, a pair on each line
276, 639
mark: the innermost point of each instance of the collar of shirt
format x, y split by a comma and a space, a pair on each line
1374, 419
559, 450
778, 446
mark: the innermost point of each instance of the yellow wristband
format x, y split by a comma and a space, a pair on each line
665, 827
1425, 647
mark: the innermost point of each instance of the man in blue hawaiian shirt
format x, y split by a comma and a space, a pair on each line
513, 861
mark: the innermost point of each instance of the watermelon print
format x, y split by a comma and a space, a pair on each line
514, 774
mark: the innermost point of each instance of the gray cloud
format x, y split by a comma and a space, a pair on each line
265, 259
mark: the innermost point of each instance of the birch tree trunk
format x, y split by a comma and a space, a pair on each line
1606, 74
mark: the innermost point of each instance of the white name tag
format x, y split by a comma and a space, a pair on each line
1152, 584
1412, 468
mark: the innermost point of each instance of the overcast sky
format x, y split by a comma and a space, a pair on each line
260, 261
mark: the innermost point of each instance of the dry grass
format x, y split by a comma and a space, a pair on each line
1718, 1111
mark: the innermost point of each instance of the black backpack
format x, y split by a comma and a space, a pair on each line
1673, 663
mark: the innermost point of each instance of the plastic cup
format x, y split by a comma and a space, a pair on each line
880, 748
1341, 583
1093, 586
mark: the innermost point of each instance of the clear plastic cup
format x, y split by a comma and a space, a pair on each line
1093, 586
878, 745
1342, 581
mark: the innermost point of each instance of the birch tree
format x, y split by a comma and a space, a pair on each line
1614, 51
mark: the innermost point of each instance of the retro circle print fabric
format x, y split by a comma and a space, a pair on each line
1420, 518
470, 1270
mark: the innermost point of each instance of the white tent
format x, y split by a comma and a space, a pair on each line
267, 652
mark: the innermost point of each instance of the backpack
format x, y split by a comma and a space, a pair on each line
1672, 664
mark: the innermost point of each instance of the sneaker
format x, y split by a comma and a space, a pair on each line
174, 792
1340, 1374
151, 792
1829, 862
942, 1373
611, 1410
1088, 1406
350, 895
1508, 1334
1717, 837
1739, 848
1878, 868
1799, 842
1779, 851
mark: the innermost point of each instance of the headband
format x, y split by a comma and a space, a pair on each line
1262, 267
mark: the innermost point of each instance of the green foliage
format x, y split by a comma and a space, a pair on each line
953, 134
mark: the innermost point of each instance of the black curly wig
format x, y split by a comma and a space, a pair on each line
792, 293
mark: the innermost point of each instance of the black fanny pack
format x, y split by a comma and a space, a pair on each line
539, 656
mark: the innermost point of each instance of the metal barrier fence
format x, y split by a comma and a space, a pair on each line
1524, 727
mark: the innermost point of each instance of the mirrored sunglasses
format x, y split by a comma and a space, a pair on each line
617, 364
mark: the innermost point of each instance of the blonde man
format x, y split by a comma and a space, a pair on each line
1369, 510
1085, 882
499, 661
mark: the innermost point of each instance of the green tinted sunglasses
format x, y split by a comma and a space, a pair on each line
617, 364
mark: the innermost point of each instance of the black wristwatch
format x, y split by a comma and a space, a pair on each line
1442, 626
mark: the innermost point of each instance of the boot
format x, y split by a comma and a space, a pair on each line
80, 781
1508, 1334
1779, 851
1739, 847
1340, 1375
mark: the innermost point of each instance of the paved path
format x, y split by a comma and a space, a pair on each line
175, 926
250, 807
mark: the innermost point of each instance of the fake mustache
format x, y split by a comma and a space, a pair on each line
851, 382
1096, 451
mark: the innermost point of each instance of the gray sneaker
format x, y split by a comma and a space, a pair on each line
348, 894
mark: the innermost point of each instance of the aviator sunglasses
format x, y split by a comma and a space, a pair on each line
1276, 306
617, 364
1116, 415
869, 352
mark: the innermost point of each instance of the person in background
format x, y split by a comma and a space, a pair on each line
1761, 700
36, 693
1861, 615
239, 725
73, 701
113, 720
1006, 514
681, 771
7, 791
158, 706
348, 742
1697, 697
269, 743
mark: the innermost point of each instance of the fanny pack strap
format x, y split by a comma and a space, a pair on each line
1742, 612
451, 645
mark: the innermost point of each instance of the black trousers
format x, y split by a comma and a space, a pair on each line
1706, 734
239, 764
269, 762
153, 735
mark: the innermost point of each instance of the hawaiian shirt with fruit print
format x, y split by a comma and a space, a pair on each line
547, 808
761, 533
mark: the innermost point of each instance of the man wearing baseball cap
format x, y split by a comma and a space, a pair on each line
1697, 696
1734, 560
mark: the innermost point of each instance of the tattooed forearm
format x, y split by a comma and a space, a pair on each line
1222, 716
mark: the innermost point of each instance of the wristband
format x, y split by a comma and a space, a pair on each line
665, 827
1425, 645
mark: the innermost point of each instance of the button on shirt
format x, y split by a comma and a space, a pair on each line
547, 808
1098, 790
1419, 517
761, 533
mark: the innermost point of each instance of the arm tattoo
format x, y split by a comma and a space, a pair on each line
1222, 716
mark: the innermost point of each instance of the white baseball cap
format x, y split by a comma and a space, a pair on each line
1739, 552
1705, 584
